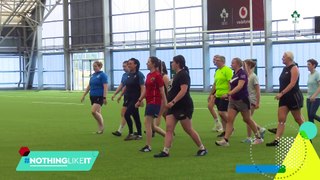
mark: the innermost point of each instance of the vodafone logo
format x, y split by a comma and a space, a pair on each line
243, 12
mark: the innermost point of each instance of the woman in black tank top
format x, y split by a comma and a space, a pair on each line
289, 96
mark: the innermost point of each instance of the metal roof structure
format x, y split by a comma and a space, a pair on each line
12, 11
21, 14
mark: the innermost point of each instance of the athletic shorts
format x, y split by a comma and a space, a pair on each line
152, 110
240, 105
96, 100
181, 114
293, 101
253, 102
125, 101
222, 104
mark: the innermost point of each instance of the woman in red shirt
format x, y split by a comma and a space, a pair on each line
154, 95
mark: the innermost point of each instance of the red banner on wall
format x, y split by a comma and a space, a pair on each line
232, 14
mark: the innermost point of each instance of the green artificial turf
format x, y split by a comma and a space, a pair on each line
57, 121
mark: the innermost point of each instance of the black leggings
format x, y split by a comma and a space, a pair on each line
134, 112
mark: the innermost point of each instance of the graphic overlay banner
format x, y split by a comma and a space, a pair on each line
57, 160
296, 157
231, 14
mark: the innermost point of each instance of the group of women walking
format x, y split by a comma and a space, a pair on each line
232, 92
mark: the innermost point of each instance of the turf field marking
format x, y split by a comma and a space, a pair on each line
56, 103
10, 96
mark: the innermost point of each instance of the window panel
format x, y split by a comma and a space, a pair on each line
53, 78
163, 4
188, 17
196, 77
306, 8
56, 14
53, 62
168, 16
129, 6
184, 3
9, 63
132, 22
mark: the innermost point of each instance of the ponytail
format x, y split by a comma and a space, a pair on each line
186, 69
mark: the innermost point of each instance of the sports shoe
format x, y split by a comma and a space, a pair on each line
116, 133
247, 140
222, 134
130, 137
257, 141
273, 130
161, 155
202, 152
262, 131
146, 148
222, 142
99, 132
273, 143
137, 137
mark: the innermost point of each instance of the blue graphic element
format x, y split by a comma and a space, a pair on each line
258, 169
58, 161
27, 160
308, 130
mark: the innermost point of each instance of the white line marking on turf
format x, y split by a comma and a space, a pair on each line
61, 97
200, 108
57, 103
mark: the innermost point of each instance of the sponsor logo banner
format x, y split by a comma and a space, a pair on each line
231, 14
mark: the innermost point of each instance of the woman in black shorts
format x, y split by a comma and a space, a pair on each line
180, 107
289, 96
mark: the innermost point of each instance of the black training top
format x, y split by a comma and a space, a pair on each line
285, 78
133, 83
182, 77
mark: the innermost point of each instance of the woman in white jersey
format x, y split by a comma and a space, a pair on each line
313, 100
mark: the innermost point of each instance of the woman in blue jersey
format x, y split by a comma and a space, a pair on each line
124, 108
134, 89
98, 88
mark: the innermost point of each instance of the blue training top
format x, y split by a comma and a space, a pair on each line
124, 79
96, 83
133, 82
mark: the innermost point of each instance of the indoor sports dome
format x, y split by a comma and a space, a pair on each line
52, 50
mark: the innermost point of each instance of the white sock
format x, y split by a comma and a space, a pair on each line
166, 150
201, 147
120, 128
258, 135
216, 120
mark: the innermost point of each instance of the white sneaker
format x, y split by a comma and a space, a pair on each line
222, 142
262, 131
247, 140
257, 141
